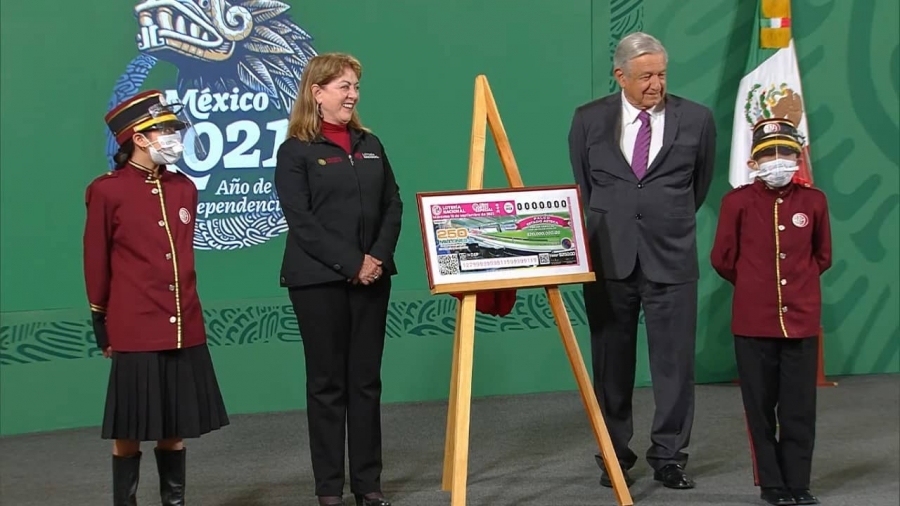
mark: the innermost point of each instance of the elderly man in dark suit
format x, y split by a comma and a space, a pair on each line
644, 161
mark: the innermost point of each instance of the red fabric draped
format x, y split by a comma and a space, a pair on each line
495, 303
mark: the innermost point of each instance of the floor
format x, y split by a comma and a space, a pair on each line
525, 450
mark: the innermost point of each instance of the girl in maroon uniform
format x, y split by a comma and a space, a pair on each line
142, 288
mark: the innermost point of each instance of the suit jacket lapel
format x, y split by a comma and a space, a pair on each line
619, 163
617, 121
669, 133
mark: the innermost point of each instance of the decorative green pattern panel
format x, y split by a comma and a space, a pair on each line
849, 58
68, 339
626, 16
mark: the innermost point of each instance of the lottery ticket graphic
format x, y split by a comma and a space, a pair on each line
484, 236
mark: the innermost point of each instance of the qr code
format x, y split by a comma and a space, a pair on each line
449, 264
544, 258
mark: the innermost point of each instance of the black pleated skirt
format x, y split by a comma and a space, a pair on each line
170, 394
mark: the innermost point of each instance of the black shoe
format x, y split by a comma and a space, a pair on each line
126, 474
777, 496
673, 476
604, 475
371, 500
803, 496
331, 500
171, 468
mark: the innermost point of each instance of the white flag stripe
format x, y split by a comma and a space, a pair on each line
772, 89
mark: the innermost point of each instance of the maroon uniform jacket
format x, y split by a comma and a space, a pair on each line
773, 245
139, 259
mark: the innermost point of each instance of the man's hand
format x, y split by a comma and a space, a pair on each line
107, 352
370, 271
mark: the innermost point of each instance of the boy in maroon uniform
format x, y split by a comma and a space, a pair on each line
772, 243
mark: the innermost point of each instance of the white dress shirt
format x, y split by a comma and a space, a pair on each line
631, 124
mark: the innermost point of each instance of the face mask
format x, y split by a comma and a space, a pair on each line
777, 173
170, 149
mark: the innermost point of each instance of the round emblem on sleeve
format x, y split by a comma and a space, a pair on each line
185, 216
800, 220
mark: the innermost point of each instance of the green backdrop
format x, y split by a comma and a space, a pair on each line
60, 62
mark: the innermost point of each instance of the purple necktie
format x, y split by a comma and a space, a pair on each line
641, 155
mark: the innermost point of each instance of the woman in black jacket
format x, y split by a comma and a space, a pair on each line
343, 210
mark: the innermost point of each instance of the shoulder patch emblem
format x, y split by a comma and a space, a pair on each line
800, 220
184, 215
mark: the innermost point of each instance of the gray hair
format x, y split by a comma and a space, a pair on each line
634, 45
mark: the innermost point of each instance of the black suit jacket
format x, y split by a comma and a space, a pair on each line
653, 218
338, 206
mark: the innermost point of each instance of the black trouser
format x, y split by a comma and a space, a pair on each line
342, 327
670, 314
778, 378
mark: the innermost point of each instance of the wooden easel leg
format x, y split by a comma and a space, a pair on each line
456, 445
567, 333
466, 331
451, 408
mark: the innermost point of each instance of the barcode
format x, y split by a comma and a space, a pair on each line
449, 264
544, 258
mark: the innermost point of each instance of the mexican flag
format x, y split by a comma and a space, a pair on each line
770, 88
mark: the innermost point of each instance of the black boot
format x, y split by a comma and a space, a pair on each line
171, 467
126, 472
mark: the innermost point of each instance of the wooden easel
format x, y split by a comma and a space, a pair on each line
456, 450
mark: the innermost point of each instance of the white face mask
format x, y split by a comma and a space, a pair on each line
777, 173
170, 149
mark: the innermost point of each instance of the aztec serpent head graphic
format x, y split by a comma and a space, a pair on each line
253, 45
238, 63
